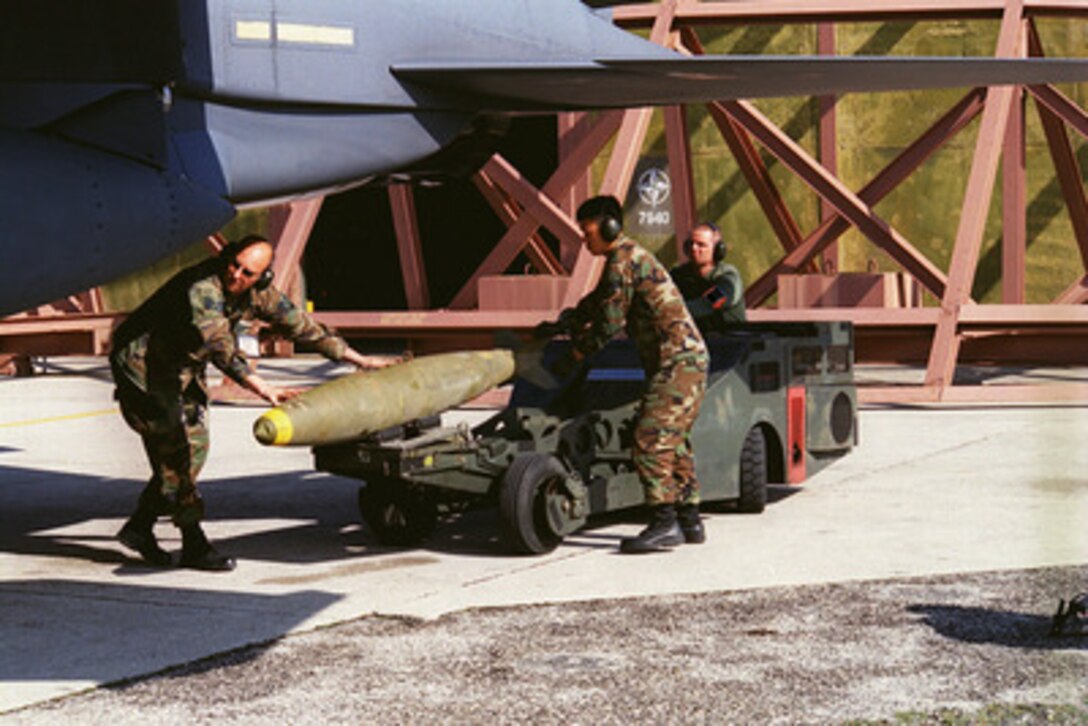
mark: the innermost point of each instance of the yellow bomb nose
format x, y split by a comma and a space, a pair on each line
274, 428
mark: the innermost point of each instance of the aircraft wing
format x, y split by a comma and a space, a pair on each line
630, 82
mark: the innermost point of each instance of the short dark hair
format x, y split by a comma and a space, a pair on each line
599, 208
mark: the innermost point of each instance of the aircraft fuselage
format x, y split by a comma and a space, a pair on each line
144, 143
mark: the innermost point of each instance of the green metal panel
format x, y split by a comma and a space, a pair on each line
872, 130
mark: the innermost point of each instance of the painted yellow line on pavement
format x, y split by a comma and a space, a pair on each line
56, 419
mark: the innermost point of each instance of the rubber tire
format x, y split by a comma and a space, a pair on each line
397, 513
523, 517
753, 473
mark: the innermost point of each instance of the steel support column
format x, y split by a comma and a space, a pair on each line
571, 129
289, 228
681, 172
409, 247
829, 142
980, 184
1014, 204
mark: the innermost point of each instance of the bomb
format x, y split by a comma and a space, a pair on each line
363, 403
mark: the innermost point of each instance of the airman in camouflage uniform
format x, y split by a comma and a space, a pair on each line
712, 288
636, 294
159, 356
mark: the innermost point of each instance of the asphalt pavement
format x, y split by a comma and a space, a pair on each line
930, 495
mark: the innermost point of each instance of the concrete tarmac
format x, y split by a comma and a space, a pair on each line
927, 492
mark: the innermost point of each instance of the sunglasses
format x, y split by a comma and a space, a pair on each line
246, 272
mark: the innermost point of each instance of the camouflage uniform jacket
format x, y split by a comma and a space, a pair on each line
636, 293
167, 342
715, 301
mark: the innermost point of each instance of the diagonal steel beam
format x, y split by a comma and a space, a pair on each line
1068, 172
941, 366
881, 185
538, 252
1060, 104
751, 164
563, 179
1075, 294
541, 207
617, 178
759, 179
1066, 167
848, 204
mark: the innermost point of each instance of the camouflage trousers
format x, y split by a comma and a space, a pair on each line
663, 454
173, 426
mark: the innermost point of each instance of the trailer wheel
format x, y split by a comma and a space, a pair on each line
753, 473
397, 513
533, 482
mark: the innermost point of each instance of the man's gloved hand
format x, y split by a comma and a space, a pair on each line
547, 330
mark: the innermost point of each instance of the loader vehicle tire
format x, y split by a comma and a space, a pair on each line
753, 473
532, 484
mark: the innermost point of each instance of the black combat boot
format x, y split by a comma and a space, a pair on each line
138, 532
197, 552
690, 523
662, 533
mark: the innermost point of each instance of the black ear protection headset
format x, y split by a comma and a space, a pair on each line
719, 245
230, 253
610, 228
265, 280
609, 215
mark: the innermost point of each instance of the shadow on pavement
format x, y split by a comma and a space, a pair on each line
64, 630
308, 518
311, 517
995, 627
41, 513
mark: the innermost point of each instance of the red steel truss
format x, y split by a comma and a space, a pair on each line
959, 330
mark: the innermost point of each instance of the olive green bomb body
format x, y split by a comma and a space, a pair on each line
363, 403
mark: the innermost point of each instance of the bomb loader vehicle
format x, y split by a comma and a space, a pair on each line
780, 405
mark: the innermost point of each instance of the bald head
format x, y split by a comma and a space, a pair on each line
245, 267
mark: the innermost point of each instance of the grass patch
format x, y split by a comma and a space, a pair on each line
992, 715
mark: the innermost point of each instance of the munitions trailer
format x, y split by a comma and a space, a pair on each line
780, 405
